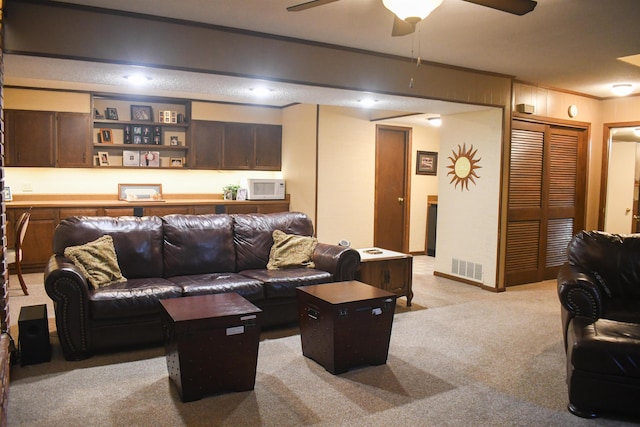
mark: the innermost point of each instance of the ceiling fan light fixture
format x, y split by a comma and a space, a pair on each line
412, 11
622, 89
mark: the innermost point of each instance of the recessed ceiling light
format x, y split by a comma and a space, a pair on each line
622, 89
261, 90
367, 102
435, 121
137, 79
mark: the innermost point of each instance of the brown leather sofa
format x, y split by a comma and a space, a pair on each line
599, 289
175, 256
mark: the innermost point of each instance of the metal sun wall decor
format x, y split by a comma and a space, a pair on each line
463, 166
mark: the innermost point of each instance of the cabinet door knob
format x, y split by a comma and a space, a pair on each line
401, 200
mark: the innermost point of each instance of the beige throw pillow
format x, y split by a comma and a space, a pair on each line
97, 260
290, 250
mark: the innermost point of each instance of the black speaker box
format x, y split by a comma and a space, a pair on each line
33, 335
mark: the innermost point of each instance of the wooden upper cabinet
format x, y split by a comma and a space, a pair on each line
29, 138
206, 142
252, 146
74, 140
237, 148
268, 147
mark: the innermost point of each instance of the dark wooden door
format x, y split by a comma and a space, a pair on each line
73, 140
391, 188
546, 206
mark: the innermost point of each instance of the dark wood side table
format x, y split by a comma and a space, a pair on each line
211, 343
388, 270
345, 324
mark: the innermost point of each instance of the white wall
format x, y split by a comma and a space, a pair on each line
346, 176
467, 227
299, 157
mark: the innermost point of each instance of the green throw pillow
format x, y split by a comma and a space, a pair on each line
291, 250
97, 260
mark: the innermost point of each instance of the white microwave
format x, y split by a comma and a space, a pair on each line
263, 189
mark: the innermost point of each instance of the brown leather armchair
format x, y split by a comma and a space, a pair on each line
599, 289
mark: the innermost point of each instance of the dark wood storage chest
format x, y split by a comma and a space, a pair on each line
211, 343
345, 324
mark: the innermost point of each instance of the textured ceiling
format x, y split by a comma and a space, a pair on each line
568, 44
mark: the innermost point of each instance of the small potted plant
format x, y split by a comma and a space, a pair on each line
230, 191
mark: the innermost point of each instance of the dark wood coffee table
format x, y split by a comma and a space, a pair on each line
211, 343
345, 324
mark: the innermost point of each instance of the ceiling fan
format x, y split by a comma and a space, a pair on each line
403, 27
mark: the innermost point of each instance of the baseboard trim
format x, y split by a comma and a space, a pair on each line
467, 281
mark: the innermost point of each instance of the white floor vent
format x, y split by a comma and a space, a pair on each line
466, 268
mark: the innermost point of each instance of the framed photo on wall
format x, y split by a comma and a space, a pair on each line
427, 163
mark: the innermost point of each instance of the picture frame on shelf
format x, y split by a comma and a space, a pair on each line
106, 136
140, 192
111, 113
6, 192
103, 158
130, 158
150, 159
141, 113
174, 140
127, 134
426, 163
176, 162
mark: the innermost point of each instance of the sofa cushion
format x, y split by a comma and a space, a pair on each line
606, 347
253, 235
198, 244
215, 283
290, 250
97, 260
283, 283
131, 299
137, 240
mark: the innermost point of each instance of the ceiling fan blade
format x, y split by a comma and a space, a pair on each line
401, 27
308, 5
517, 7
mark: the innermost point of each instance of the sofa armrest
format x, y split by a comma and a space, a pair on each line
578, 292
341, 261
68, 289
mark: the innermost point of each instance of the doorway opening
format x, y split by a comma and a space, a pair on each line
620, 178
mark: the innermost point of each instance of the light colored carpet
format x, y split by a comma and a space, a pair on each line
471, 358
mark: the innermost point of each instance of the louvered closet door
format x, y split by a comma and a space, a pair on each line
546, 199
